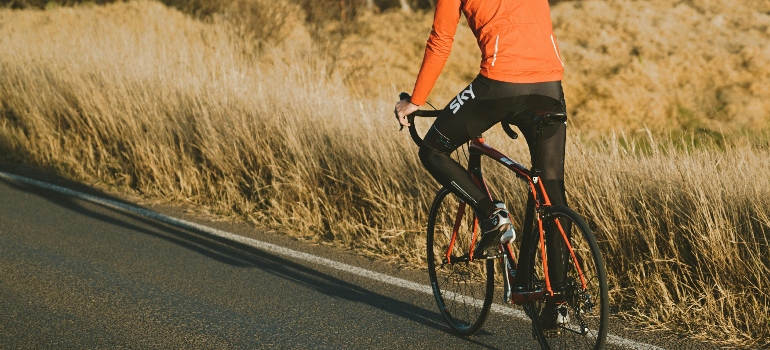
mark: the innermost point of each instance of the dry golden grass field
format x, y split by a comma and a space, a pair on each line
260, 116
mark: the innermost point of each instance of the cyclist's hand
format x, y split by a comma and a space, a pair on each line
404, 108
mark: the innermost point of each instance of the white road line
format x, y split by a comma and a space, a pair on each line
279, 250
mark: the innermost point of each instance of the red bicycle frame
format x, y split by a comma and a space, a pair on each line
478, 148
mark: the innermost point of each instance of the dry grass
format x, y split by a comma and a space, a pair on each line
688, 227
143, 98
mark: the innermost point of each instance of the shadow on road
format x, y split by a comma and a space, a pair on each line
241, 255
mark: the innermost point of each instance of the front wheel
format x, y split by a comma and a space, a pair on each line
463, 289
583, 295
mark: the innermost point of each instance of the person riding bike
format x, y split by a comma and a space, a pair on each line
521, 70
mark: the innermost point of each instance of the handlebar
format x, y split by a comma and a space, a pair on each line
410, 118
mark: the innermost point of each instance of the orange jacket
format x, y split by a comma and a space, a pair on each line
515, 38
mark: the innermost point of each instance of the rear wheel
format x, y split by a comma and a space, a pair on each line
463, 289
587, 304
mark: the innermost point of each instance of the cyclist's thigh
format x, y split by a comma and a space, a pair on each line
551, 156
552, 147
468, 115
450, 130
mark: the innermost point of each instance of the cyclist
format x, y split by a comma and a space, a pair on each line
521, 70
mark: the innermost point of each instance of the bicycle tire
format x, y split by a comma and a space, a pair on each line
589, 318
463, 290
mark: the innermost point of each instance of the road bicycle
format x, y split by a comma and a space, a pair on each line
464, 286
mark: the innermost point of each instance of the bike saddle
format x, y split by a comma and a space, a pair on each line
546, 118
541, 110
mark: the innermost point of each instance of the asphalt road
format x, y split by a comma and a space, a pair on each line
75, 274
